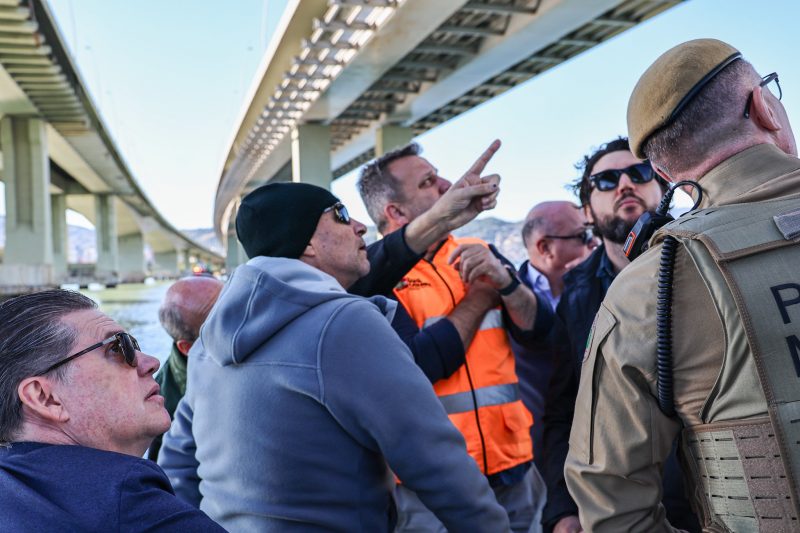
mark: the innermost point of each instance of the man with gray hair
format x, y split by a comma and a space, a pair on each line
480, 390
716, 358
78, 408
184, 309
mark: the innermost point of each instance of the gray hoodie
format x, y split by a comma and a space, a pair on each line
298, 396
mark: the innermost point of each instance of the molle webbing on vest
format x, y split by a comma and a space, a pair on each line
760, 267
738, 468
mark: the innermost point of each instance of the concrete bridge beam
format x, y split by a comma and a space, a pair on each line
389, 137
106, 235
311, 154
28, 252
132, 267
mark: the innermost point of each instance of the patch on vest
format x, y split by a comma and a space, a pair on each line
589, 341
788, 224
411, 283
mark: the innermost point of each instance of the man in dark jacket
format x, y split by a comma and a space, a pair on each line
306, 415
78, 408
614, 190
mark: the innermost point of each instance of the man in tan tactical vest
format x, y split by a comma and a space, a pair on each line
702, 113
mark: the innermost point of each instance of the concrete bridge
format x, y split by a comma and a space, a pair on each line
57, 155
345, 80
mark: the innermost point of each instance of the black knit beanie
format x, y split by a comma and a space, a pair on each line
279, 219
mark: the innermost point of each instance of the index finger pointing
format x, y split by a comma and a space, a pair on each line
484, 159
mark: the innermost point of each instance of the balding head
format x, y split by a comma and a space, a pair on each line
186, 307
551, 218
552, 234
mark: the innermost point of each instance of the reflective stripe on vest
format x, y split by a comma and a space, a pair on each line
492, 319
462, 402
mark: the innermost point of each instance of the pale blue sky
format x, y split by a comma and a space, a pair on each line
170, 77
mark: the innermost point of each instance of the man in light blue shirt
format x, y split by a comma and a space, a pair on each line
557, 238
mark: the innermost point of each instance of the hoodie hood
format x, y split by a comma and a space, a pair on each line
261, 298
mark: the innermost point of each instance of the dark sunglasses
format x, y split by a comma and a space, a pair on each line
122, 343
608, 180
586, 236
340, 212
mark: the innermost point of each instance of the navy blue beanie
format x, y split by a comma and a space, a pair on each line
279, 219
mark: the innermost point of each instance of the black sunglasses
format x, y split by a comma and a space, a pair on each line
608, 180
586, 236
340, 212
765, 82
123, 343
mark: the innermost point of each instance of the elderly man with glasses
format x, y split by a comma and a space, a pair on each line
715, 361
301, 397
78, 408
556, 237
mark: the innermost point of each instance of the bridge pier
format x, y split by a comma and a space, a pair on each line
166, 263
28, 256
234, 252
389, 137
132, 267
311, 154
106, 235
58, 210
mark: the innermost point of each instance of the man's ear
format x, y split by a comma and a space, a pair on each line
309, 252
542, 246
184, 346
38, 397
762, 111
663, 173
395, 215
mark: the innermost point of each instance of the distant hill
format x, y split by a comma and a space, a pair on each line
82, 243
504, 235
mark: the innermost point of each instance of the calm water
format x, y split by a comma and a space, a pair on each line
135, 307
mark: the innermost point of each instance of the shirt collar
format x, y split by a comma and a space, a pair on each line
605, 270
541, 284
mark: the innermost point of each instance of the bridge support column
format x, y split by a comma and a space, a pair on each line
58, 210
388, 137
311, 154
132, 266
166, 263
106, 233
28, 257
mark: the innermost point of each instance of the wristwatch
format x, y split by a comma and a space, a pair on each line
513, 284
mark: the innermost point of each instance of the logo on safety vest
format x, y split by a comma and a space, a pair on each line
411, 283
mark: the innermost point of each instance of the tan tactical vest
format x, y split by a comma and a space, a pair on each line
744, 465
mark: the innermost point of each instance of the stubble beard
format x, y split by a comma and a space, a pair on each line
613, 228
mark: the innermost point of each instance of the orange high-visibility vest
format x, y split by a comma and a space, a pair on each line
481, 397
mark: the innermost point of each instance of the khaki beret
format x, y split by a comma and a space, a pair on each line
670, 83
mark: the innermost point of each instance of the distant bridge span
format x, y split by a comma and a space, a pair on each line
57, 154
344, 80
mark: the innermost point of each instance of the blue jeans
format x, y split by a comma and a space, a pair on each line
522, 501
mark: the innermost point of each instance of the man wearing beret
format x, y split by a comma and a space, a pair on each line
702, 113
301, 396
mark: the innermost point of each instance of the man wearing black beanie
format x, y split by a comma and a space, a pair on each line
314, 394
